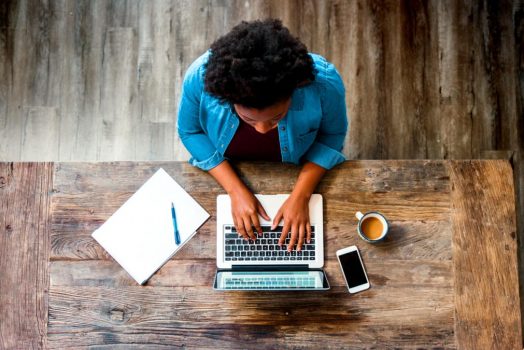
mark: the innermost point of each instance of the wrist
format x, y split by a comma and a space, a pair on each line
236, 189
301, 194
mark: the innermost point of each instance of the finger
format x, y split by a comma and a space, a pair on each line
283, 236
277, 219
256, 223
239, 224
235, 222
262, 212
249, 228
301, 234
308, 229
293, 239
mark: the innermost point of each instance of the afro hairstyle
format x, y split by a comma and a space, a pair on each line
257, 64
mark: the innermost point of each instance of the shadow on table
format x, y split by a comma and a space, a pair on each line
303, 308
396, 234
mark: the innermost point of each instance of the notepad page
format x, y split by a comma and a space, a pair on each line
140, 234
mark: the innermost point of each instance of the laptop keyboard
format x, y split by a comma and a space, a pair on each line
270, 282
265, 247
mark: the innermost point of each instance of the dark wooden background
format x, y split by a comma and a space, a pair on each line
99, 79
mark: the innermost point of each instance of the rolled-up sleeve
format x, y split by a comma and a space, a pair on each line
326, 151
204, 154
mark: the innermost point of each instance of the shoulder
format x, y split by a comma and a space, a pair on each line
195, 73
327, 77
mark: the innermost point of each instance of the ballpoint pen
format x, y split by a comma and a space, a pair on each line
173, 215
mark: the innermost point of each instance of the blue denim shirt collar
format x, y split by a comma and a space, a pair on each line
297, 101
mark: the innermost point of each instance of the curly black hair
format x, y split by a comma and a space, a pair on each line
257, 64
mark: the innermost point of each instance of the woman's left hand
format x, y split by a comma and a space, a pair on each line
295, 212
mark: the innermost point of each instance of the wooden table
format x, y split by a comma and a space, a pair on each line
446, 277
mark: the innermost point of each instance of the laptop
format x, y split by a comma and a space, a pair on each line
262, 264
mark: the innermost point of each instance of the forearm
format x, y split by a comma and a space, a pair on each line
226, 176
308, 179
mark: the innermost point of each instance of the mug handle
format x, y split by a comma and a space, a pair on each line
359, 215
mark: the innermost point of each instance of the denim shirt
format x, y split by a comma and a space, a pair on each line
313, 129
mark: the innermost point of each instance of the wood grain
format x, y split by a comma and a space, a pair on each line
24, 254
518, 157
428, 278
409, 305
412, 194
484, 225
41, 136
118, 128
366, 176
4, 74
384, 271
189, 317
424, 79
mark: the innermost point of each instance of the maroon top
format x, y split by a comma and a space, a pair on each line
249, 144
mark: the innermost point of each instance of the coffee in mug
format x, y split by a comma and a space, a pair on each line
372, 226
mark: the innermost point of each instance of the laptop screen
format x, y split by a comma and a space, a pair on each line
271, 280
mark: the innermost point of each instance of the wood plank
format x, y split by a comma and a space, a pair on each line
294, 14
17, 88
383, 271
414, 98
155, 141
428, 82
91, 209
40, 136
364, 48
455, 79
5, 73
155, 70
500, 154
372, 176
62, 63
487, 303
190, 26
494, 75
75, 68
518, 160
421, 239
189, 317
117, 130
159, 79
24, 253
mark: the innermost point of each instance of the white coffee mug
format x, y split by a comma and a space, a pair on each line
372, 214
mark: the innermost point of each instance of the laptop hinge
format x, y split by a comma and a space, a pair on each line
298, 267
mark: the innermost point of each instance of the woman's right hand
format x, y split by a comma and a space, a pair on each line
245, 209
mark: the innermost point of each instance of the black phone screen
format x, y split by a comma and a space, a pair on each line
353, 269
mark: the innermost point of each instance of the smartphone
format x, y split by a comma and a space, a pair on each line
353, 269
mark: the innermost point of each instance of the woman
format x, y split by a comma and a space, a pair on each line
258, 94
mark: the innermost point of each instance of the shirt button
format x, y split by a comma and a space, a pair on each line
222, 146
283, 128
232, 126
284, 149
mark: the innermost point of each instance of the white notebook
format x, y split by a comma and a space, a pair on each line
140, 234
